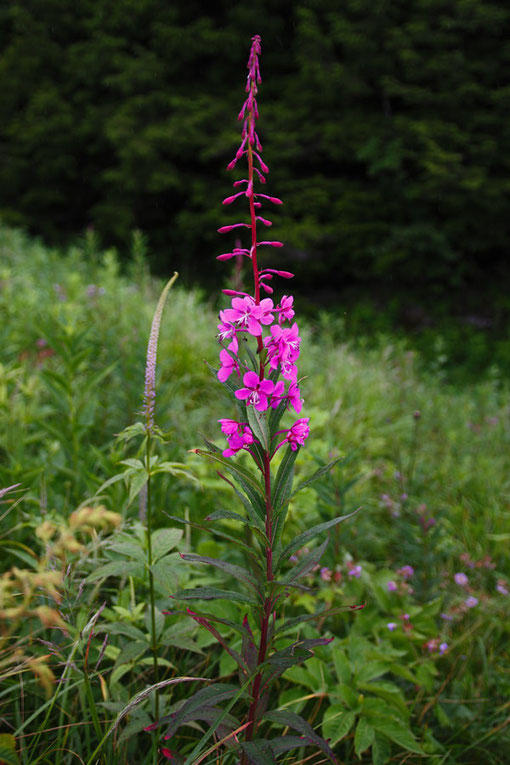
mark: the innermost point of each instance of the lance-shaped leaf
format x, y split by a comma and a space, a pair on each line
259, 752
252, 503
282, 486
276, 414
249, 649
281, 744
306, 564
313, 477
209, 696
211, 593
259, 427
117, 568
229, 515
294, 721
255, 498
243, 666
296, 653
299, 541
289, 624
212, 618
237, 542
238, 572
236, 470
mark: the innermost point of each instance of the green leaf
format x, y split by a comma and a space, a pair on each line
165, 574
296, 653
204, 699
342, 665
219, 515
164, 540
259, 752
388, 691
320, 614
315, 476
364, 736
117, 568
130, 549
337, 723
283, 482
208, 529
238, 572
306, 564
211, 593
136, 482
8, 753
121, 628
381, 750
258, 424
299, 541
370, 670
130, 653
137, 429
234, 468
294, 721
397, 733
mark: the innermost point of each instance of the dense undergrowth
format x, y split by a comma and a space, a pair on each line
419, 674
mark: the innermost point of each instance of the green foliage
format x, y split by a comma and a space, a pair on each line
380, 694
394, 114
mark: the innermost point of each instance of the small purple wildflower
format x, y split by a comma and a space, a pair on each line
392, 626
443, 647
406, 572
325, 574
392, 586
471, 602
461, 579
354, 571
502, 587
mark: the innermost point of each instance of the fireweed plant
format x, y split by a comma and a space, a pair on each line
260, 348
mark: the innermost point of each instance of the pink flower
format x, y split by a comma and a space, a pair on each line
228, 365
286, 309
255, 391
278, 394
283, 349
392, 586
354, 571
325, 574
229, 426
245, 314
294, 397
298, 433
239, 436
227, 331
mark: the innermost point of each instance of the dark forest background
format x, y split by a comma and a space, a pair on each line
384, 122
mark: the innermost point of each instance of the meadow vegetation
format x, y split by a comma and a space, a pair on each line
419, 674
